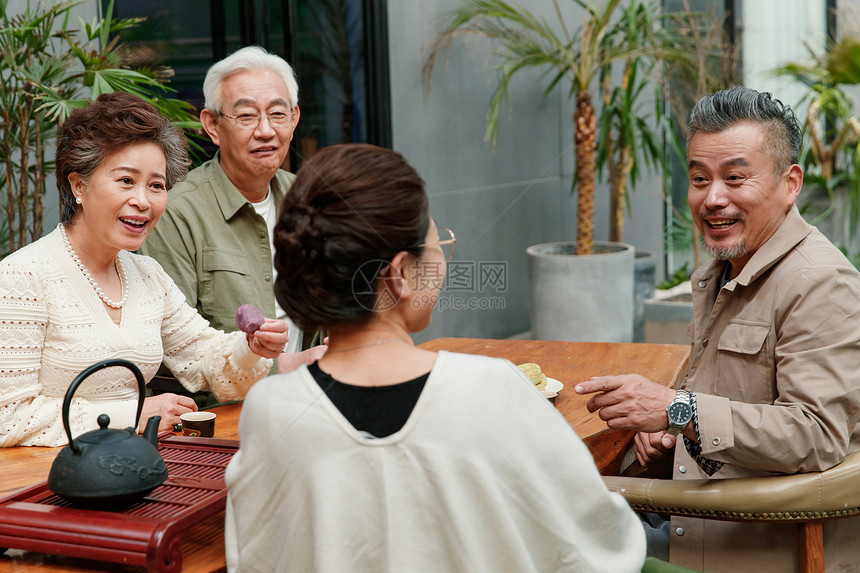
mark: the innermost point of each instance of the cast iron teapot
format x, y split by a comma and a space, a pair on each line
107, 468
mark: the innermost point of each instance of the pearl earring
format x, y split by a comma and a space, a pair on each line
78, 200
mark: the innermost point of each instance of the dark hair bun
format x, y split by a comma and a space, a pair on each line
351, 209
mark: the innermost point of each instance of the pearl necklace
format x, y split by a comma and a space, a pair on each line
123, 279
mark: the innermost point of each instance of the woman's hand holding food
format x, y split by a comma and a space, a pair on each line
266, 337
270, 339
169, 407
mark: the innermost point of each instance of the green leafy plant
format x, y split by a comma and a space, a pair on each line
678, 235
47, 69
682, 274
831, 149
629, 137
523, 40
712, 65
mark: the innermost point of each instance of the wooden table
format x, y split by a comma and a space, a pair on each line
572, 362
202, 545
569, 362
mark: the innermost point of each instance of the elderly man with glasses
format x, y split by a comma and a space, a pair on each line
215, 237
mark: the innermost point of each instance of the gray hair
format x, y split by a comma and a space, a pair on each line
723, 109
246, 59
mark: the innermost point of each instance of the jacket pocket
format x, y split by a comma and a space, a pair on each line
745, 364
220, 260
743, 338
224, 285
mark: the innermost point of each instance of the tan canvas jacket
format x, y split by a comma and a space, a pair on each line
775, 365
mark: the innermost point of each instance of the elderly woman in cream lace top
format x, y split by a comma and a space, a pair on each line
78, 295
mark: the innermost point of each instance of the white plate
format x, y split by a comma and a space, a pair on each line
552, 388
553, 385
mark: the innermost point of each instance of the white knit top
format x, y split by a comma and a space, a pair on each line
53, 325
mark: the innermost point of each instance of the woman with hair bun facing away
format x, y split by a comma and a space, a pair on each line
383, 456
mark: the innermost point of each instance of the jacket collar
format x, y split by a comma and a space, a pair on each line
792, 231
229, 199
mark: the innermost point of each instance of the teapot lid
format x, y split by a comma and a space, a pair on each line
103, 435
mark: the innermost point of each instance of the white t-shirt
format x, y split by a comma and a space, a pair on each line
269, 212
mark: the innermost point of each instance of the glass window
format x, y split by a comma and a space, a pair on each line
330, 62
336, 47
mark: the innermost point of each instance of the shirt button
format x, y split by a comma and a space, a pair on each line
268, 278
680, 531
682, 469
702, 284
705, 343
716, 441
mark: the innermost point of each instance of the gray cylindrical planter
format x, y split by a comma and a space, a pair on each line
643, 289
581, 298
667, 315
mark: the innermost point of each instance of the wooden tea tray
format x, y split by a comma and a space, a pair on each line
147, 533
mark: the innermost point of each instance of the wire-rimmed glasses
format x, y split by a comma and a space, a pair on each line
277, 119
446, 244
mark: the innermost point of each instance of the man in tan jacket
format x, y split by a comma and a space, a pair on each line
771, 386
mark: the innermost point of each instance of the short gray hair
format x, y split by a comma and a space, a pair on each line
723, 109
242, 60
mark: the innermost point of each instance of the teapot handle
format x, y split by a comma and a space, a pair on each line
67, 402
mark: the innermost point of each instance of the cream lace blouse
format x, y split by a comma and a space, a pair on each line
53, 325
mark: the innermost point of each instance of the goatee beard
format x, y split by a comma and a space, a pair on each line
727, 253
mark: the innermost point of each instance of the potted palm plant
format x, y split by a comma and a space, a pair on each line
712, 66
581, 291
630, 138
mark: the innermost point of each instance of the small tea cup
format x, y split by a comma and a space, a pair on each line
198, 424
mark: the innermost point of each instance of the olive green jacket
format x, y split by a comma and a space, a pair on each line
215, 246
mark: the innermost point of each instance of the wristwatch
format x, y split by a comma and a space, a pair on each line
680, 412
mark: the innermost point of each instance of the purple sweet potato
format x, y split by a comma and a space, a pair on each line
249, 319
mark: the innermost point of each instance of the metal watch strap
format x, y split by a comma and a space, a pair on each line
684, 397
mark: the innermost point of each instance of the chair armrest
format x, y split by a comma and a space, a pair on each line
799, 497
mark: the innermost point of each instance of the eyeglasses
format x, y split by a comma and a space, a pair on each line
446, 244
276, 119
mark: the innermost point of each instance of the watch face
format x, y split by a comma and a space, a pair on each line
679, 413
